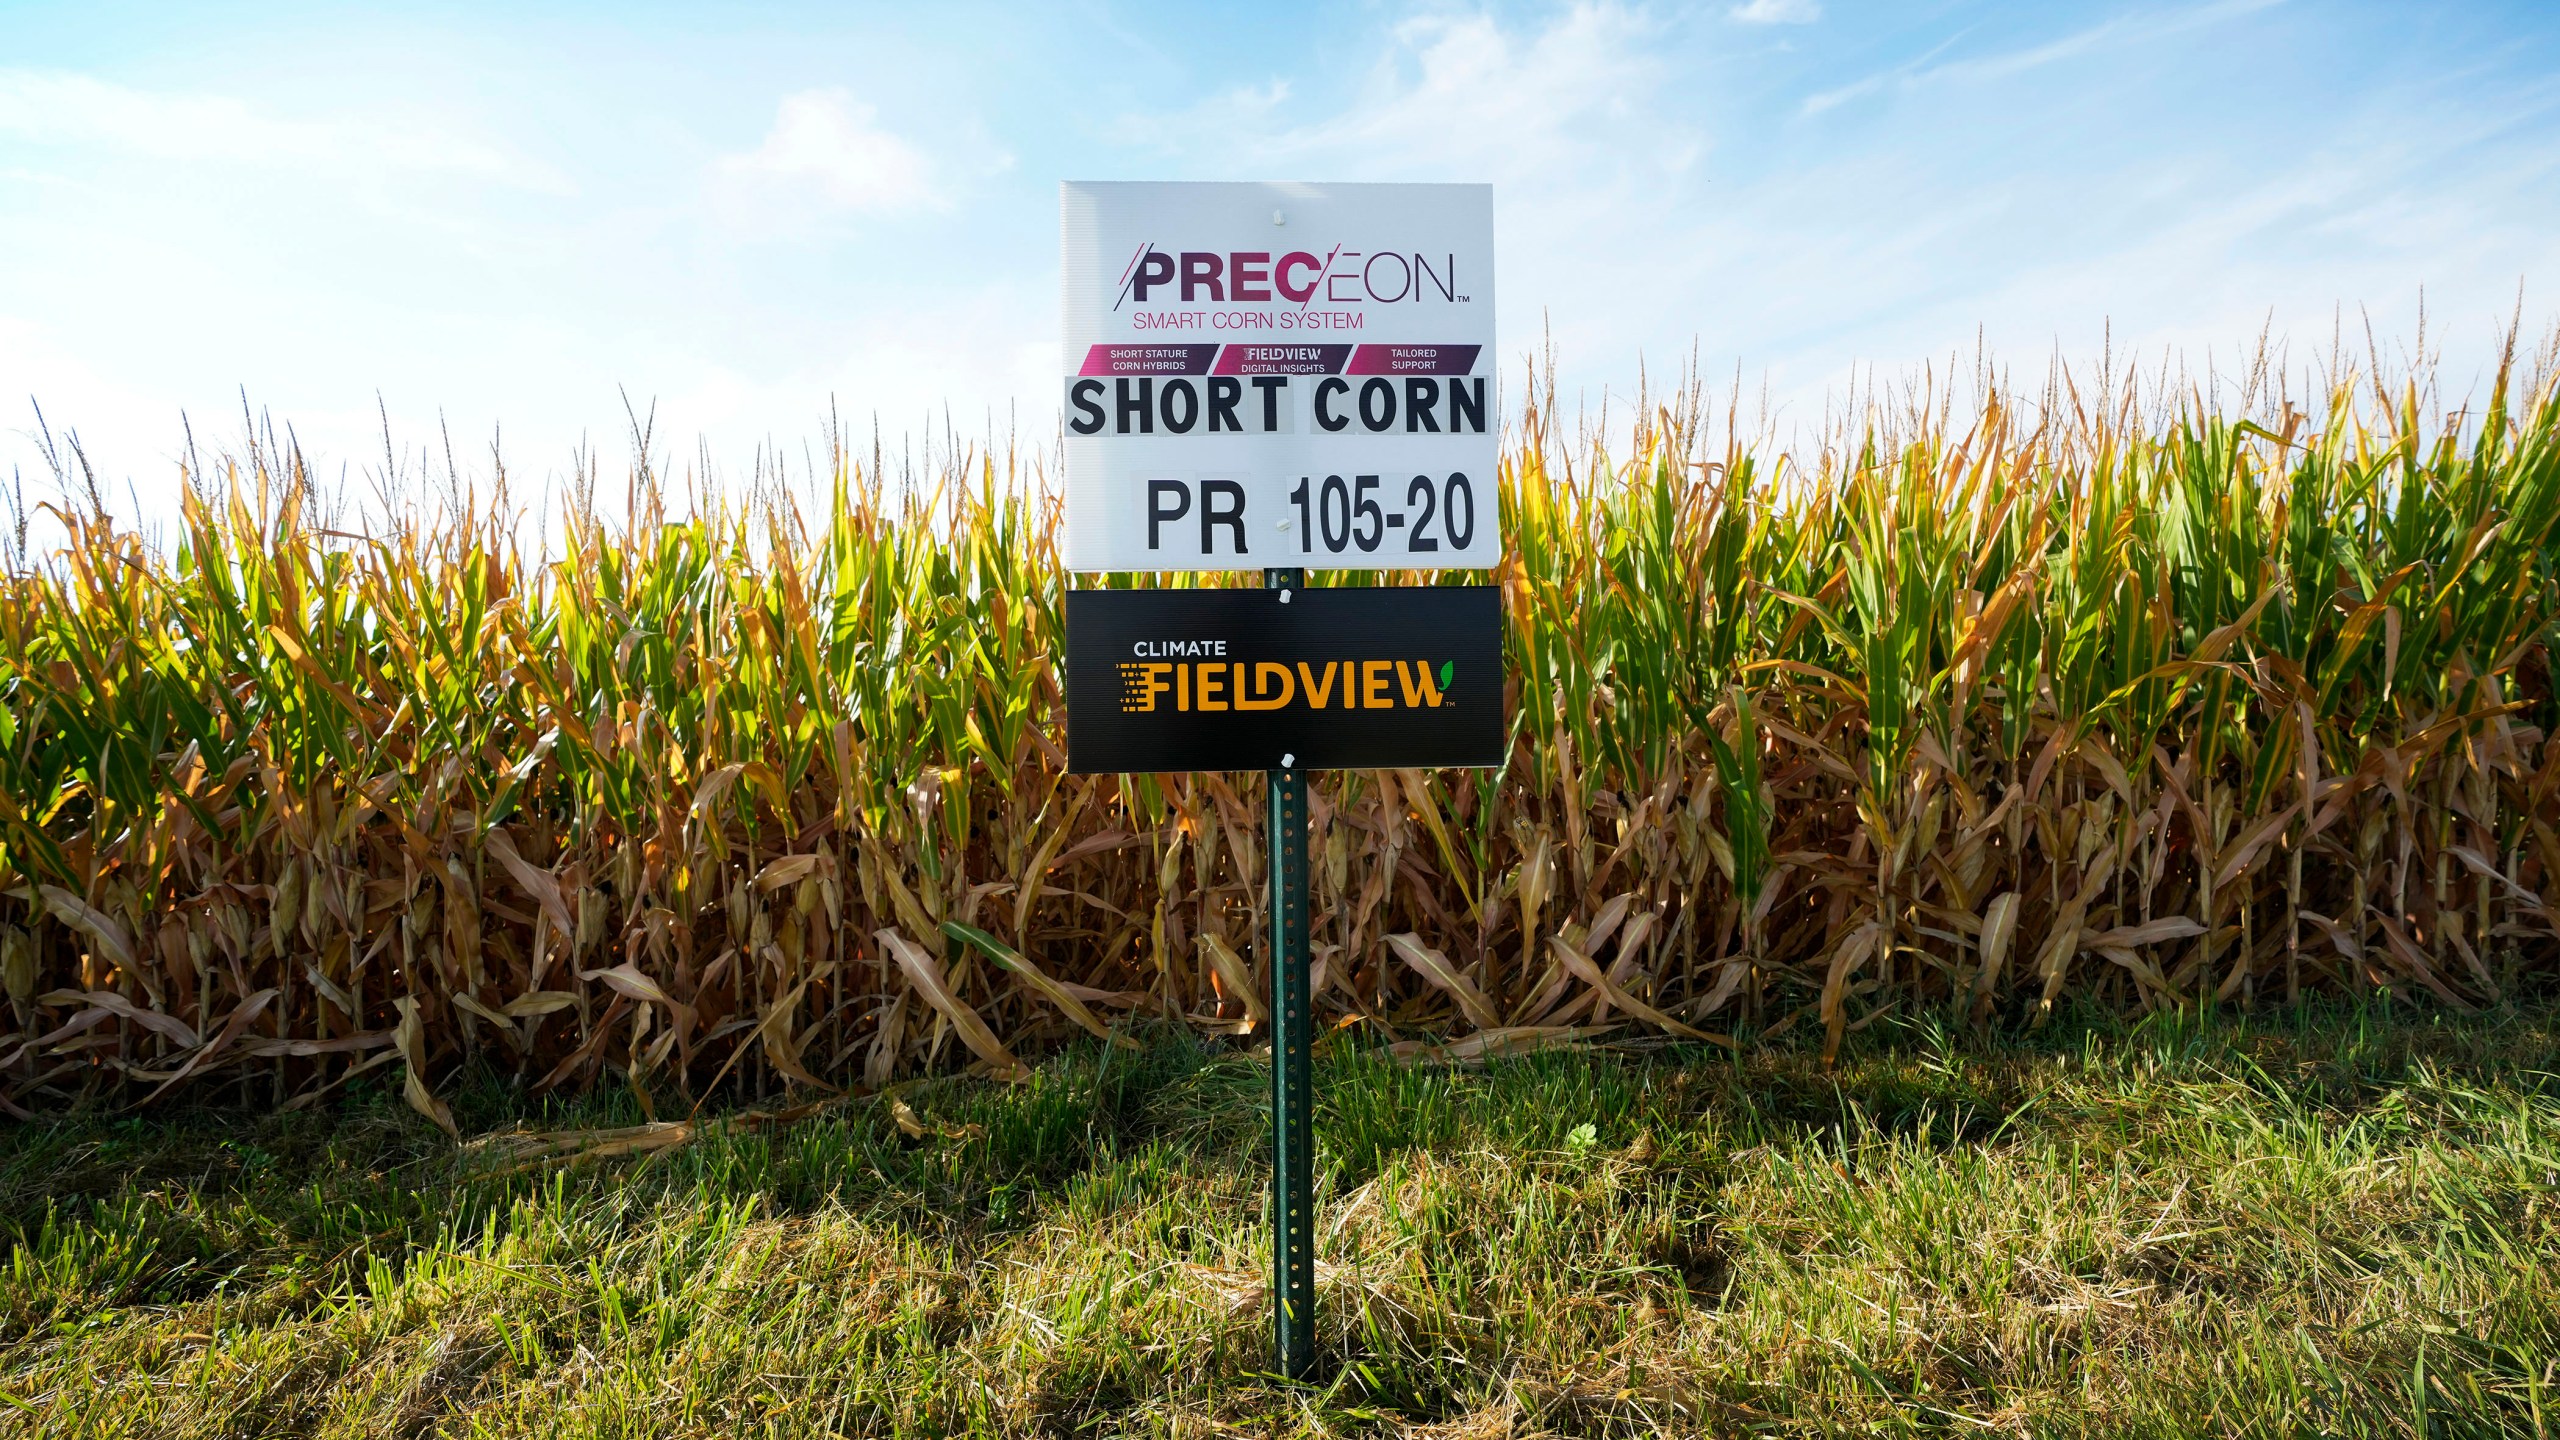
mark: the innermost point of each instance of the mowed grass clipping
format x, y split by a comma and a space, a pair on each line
2338, 1223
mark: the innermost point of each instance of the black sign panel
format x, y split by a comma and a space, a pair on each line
1359, 679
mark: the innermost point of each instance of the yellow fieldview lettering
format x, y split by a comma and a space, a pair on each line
1221, 685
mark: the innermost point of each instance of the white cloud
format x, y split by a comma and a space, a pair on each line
828, 139
1562, 112
70, 109
1778, 12
2121, 30
1593, 173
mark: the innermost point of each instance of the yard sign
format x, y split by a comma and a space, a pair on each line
1275, 375
1271, 377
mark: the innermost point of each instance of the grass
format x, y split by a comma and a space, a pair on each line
2338, 1220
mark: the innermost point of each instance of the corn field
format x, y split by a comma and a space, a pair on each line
2113, 696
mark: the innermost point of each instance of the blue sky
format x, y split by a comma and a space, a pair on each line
507, 218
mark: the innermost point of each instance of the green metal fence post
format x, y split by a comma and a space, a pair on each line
1293, 1221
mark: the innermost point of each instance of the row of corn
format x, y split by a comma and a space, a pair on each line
2127, 700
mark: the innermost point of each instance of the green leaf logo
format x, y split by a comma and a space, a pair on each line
1448, 673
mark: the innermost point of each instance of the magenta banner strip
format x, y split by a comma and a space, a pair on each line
1413, 360
1282, 359
1148, 360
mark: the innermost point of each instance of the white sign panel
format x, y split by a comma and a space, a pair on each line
1279, 374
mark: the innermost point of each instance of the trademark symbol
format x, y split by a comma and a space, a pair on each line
1466, 299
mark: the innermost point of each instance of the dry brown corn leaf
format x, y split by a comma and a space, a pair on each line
1433, 966
926, 974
